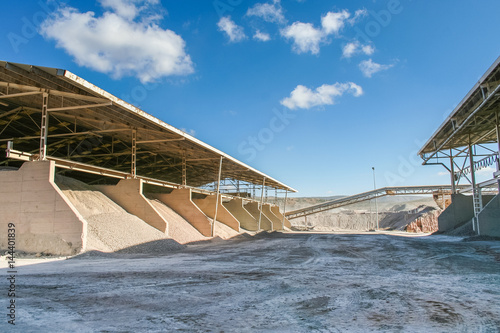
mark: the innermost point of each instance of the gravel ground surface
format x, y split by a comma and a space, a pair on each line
279, 282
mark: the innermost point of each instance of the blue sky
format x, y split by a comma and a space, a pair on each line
313, 93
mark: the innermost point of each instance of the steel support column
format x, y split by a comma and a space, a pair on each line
184, 167
284, 211
134, 154
452, 172
44, 127
497, 127
217, 199
261, 201
476, 195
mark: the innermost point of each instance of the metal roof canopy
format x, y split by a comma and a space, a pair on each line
473, 121
90, 125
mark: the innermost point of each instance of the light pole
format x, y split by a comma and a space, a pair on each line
375, 188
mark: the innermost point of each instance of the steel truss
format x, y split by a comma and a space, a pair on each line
378, 193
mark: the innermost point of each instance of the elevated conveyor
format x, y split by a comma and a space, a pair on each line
381, 192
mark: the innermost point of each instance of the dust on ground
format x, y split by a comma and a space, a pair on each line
277, 282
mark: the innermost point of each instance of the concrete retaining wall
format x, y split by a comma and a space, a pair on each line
207, 206
45, 221
253, 209
180, 201
276, 211
266, 210
489, 218
128, 194
458, 212
246, 220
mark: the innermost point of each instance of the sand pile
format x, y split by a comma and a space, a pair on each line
224, 232
110, 227
182, 231
179, 228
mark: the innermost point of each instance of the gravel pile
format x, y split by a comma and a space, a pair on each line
110, 228
178, 228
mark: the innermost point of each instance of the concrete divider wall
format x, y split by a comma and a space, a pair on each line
266, 210
458, 212
207, 206
180, 201
246, 220
489, 218
253, 209
45, 221
276, 211
128, 194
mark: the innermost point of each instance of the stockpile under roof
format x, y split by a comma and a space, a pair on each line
89, 125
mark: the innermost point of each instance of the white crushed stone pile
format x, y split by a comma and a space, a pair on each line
183, 232
224, 232
110, 227
178, 228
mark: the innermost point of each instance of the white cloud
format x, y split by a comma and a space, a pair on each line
123, 41
269, 12
334, 22
368, 49
262, 36
359, 14
368, 67
305, 98
306, 38
127, 8
233, 31
191, 132
350, 49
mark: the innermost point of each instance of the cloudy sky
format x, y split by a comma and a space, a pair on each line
314, 93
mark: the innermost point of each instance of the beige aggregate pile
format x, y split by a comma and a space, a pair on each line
183, 232
179, 228
110, 227
223, 231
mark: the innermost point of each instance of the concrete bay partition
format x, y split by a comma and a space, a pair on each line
276, 211
253, 209
489, 218
45, 220
180, 201
266, 210
236, 208
128, 194
457, 213
207, 206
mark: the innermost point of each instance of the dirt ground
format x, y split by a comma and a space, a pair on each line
279, 282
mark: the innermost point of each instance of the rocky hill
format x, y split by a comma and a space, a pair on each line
410, 213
